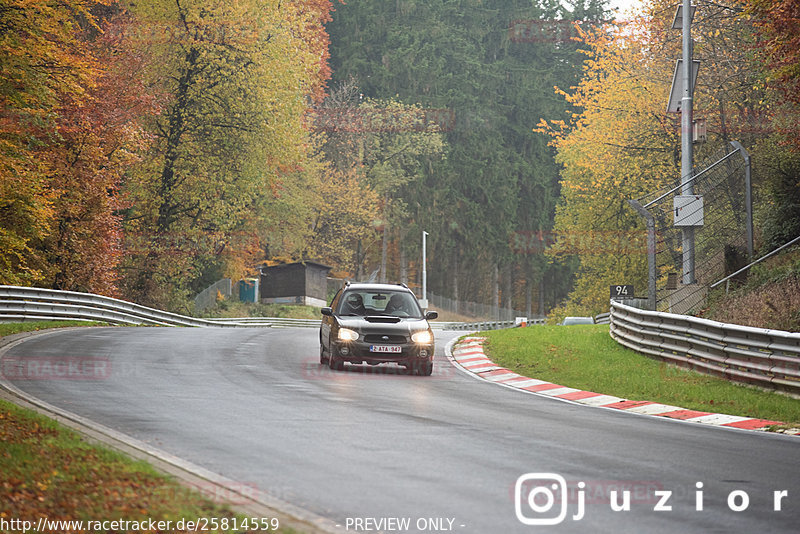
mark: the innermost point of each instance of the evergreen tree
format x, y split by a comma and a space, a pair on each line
493, 67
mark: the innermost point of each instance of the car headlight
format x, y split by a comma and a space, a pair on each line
424, 337
345, 334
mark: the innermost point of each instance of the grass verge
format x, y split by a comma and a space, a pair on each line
232, 308
6, 329
47, 470
770, 298
586, 357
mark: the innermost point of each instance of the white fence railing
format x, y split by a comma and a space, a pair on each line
30, 303
758, 356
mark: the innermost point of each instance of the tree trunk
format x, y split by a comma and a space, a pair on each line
403, 266
496, 292
528, 298
384, 252
177, 126
454, 274
358, 261
508, 292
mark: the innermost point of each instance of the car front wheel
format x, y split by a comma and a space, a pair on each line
322, 359
424, 369
335, 363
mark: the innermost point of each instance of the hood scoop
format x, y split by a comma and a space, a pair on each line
381, 319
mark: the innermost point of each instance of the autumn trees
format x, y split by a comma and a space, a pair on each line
69, 128
779, 22
149, 146
492, 67
617, 146
778, 49
622, 144
375, 152
235, 79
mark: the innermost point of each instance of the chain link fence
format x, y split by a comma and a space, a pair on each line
474, 309
208, 297
720, 212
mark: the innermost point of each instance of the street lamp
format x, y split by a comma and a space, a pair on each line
424, 301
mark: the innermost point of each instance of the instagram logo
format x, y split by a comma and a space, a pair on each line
541, 499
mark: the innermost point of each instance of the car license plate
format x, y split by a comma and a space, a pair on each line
385, 348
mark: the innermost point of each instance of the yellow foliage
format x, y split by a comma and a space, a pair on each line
618, 147
621, 144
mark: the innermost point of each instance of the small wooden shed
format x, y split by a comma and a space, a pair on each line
295, 283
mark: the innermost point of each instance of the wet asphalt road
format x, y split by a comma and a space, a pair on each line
441, 452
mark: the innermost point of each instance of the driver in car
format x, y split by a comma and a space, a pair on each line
355, 305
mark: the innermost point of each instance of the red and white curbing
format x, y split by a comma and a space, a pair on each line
469, 355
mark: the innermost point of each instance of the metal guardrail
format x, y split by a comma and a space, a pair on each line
435, 325
29, 303
274, 321
486, 325
758, 356
602, 318
19, 303
483, 325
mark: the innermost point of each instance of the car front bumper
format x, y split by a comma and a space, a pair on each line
359, 352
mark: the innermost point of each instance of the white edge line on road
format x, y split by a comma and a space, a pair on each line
107, 436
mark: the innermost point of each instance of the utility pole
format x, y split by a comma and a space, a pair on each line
686, 139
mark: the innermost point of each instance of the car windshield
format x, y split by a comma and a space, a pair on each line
379, 302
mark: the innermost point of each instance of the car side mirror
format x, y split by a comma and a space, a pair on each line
431, 315
327, 311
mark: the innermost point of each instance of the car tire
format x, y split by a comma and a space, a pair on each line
322, 359
424, 369
335, 363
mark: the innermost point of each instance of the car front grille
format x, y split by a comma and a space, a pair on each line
382, 338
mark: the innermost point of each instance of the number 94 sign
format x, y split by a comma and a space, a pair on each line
622, 292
